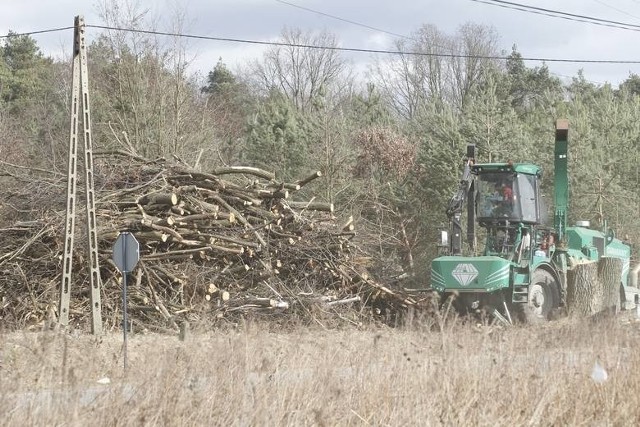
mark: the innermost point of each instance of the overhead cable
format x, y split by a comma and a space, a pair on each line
363, 50
559, 14
335, 48
348, 21
30, 33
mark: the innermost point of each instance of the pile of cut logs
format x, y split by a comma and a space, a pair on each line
214, 244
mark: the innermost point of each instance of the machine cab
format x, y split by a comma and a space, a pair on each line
507, 192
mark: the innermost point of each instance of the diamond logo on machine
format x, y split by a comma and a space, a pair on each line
464, 273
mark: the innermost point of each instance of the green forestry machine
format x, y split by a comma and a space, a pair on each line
522, 272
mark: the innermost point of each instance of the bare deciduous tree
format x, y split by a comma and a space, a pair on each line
474, 44
302, 73
436, 67
148, 99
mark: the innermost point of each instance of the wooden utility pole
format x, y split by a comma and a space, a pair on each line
80, 111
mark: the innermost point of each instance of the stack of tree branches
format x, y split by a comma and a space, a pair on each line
214, 245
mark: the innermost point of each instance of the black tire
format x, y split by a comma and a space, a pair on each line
544, 297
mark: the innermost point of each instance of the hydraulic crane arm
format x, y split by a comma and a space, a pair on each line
457, 202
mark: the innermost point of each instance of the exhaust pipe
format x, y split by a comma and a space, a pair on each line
633, 280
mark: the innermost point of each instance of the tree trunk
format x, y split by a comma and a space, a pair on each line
593, 287
583, 293
609, 277
161, 199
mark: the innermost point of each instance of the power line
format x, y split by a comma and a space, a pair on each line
334, 48
355, 23
616, 9
363, 50
559, 14
386, 32
30, 33
345, 20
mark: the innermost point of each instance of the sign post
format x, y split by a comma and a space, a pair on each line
126, 253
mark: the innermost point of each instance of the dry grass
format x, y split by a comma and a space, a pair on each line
453, 375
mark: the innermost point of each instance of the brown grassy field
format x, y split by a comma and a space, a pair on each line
422, 374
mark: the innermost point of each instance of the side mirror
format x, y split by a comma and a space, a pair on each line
444, 239
610, 235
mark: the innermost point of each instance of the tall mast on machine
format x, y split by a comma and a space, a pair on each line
561, 178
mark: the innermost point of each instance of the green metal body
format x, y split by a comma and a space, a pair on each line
471, 274
517, 244
588, 244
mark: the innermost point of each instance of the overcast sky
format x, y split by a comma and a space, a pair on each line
534, 35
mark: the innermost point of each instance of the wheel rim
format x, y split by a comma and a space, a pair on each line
543, 298
539, 300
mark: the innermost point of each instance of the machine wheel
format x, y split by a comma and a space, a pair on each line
544, 296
